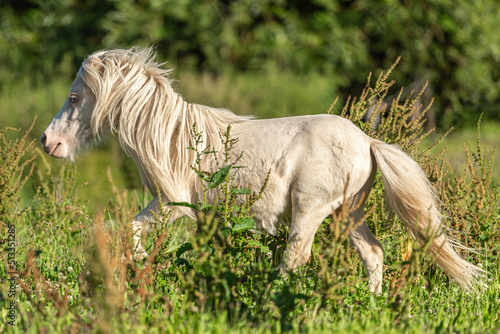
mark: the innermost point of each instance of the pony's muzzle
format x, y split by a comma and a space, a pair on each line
55, 148
43, 140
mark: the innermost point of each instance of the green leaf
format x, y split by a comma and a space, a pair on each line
205, 207
243, 224
258, 244
186, 204
184, 248
241, 191
219, 177
173, 248
180, 262
225, 231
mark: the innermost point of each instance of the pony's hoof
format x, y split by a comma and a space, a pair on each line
283, 273
375, 287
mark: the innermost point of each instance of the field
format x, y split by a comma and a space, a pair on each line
65, 228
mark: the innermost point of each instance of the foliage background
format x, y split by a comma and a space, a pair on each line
455, 45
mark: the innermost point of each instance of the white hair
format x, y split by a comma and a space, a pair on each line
135, 100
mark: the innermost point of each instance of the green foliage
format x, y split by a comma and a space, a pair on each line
12, 173
472, 199
39, 34
455, 46
76, 273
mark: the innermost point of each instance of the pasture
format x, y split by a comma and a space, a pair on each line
70, 226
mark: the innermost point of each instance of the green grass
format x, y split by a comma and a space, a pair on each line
71, 227
427, 305
371, 316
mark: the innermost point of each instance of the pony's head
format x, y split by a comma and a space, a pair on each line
70, 129
107, 83
130, 94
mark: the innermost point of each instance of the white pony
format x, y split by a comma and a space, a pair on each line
317, 163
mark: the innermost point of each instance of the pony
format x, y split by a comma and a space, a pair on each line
316, 163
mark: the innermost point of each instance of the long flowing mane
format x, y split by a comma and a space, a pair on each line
135, 100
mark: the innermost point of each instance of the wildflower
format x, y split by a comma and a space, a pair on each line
70, 268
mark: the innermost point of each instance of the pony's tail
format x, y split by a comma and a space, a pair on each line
412, 197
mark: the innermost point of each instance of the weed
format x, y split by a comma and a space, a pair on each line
12, 171
212, 275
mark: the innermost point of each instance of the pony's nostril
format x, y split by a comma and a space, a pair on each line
43, 139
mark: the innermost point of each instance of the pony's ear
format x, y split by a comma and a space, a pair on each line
94, 58
94, 62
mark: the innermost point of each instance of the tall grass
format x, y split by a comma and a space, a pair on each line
74, 271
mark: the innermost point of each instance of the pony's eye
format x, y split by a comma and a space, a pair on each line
73, 98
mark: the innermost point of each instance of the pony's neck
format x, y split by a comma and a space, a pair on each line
160, 148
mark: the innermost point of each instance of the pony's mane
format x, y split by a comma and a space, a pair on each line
134, 99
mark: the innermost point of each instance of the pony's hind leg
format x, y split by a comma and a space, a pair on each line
303, 228
371, 253
370, 250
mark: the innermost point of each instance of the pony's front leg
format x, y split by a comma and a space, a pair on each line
141, 221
